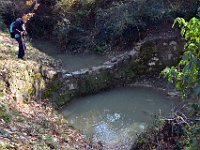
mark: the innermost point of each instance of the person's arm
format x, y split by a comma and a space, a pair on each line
23, 29
20, 32
20, 27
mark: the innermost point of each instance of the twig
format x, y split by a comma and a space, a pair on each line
181, 118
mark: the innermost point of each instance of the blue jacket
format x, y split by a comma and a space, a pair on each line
18, 26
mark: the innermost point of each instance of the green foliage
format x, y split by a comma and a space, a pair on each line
137, 14
112, 16
186, 75
62, 30
118, 17
4, 113
194, 110
86, 24
192, 130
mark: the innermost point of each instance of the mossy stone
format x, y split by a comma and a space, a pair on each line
63, 99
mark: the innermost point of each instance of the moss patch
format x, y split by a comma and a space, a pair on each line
127, 73
53, 91
146, 51
63, 99
53, 86
94, 83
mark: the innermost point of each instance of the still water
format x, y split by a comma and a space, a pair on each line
116, 116
69, 62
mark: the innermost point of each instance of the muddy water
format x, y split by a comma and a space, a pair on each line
115, 117
69, 62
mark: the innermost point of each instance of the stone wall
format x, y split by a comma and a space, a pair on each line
159, 51
23, 80
118, 71
150, 56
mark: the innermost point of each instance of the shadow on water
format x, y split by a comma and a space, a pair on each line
70, 62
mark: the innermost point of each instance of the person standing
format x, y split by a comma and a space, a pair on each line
19, 32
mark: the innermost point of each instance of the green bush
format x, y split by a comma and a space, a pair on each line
89, 24
139, 14
107, 22
186, 74
186, 77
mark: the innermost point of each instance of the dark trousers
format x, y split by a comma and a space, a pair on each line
22, 47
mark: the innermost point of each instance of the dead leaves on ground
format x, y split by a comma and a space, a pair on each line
38, 124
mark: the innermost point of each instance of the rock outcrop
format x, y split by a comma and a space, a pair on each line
23, 79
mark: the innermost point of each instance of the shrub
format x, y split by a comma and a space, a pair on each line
186, 77
107, 22
88, 24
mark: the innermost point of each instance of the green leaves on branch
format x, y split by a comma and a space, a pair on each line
189, 30
186, 75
